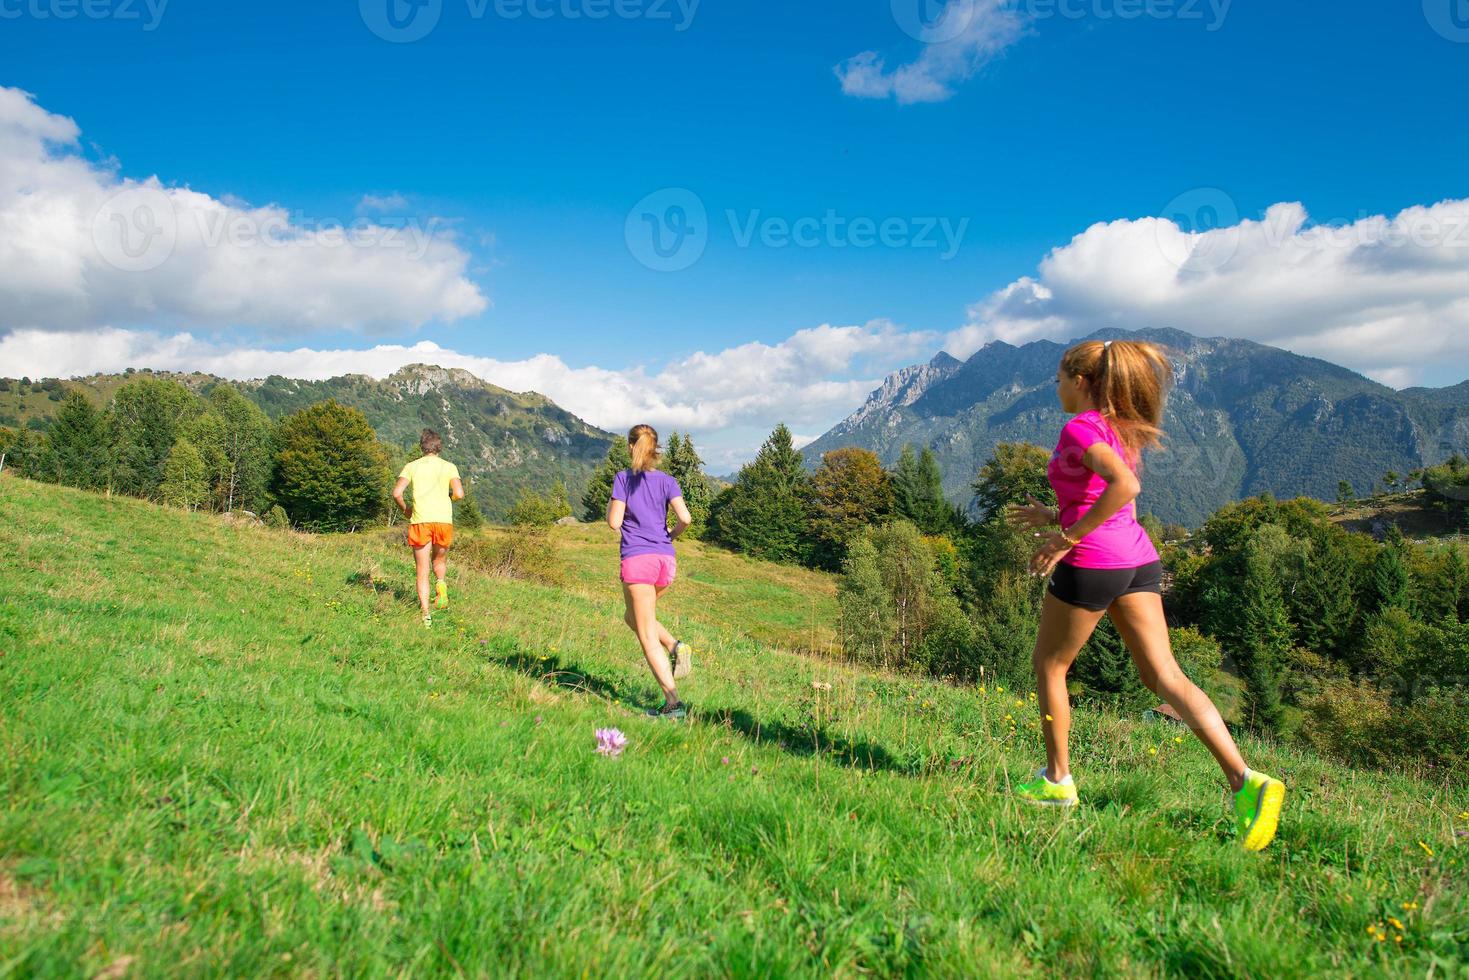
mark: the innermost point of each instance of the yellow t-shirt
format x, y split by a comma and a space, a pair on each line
430, 478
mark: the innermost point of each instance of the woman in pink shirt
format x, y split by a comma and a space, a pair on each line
1101, 562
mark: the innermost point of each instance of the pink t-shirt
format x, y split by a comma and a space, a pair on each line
1121, 541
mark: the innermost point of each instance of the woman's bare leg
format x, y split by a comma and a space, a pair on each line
1139, 619
642, 603
1064, 631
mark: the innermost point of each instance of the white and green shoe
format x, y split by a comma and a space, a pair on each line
1257, 810
682, 656
1042, 792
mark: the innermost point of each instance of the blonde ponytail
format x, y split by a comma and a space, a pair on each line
642, 442
1129, 381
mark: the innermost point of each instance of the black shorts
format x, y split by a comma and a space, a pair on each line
1096, 588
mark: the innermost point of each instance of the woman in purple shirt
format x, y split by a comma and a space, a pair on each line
1101, 563
641, 498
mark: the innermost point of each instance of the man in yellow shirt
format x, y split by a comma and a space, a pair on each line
436, 486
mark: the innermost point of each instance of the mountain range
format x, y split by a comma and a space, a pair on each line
1243, 418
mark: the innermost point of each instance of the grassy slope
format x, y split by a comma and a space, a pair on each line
226, 749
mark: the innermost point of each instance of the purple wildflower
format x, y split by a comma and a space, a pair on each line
611, 742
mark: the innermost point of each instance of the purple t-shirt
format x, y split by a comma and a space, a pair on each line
647, 494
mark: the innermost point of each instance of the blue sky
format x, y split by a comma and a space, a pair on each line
526, 142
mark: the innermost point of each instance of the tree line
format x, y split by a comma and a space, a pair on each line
322, 468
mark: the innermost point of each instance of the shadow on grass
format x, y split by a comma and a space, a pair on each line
818, 742
401, 593
558, 672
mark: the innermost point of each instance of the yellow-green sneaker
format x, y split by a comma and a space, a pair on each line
1042, 792
682, 658
441, 595
1257, 809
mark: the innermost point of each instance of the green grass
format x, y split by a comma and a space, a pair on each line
226, 750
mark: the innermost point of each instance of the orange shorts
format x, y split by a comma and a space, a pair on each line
422, 534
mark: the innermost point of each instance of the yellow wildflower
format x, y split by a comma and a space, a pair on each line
1426, 849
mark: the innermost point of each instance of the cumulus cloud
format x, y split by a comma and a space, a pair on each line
965, 36
82, 247
729, 399
1386, 296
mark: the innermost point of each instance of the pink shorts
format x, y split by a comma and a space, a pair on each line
657, 570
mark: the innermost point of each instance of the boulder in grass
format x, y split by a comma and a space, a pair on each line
567, 521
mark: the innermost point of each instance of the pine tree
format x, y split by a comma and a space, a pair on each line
906, 493
682, 462
1387, 582
918, 492
1324, 602
25, 452
331, 472
149, 415
599, 487
1262, 639
765, 513
185, 478
77, 448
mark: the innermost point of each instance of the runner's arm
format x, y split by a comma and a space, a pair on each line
616, 511
1122, 488
681, 511
456, 489
398, 489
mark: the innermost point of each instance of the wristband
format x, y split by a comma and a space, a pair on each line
1069, 539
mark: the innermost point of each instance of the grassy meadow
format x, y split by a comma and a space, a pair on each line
226, 750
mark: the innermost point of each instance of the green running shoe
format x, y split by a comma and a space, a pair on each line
428, 622
441, 595
683, 659
1257, 809
670, 712
1043, 792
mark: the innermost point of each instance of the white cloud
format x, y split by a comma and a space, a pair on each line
380, 203
729, 400
966, 35
1385, 296
82, 247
